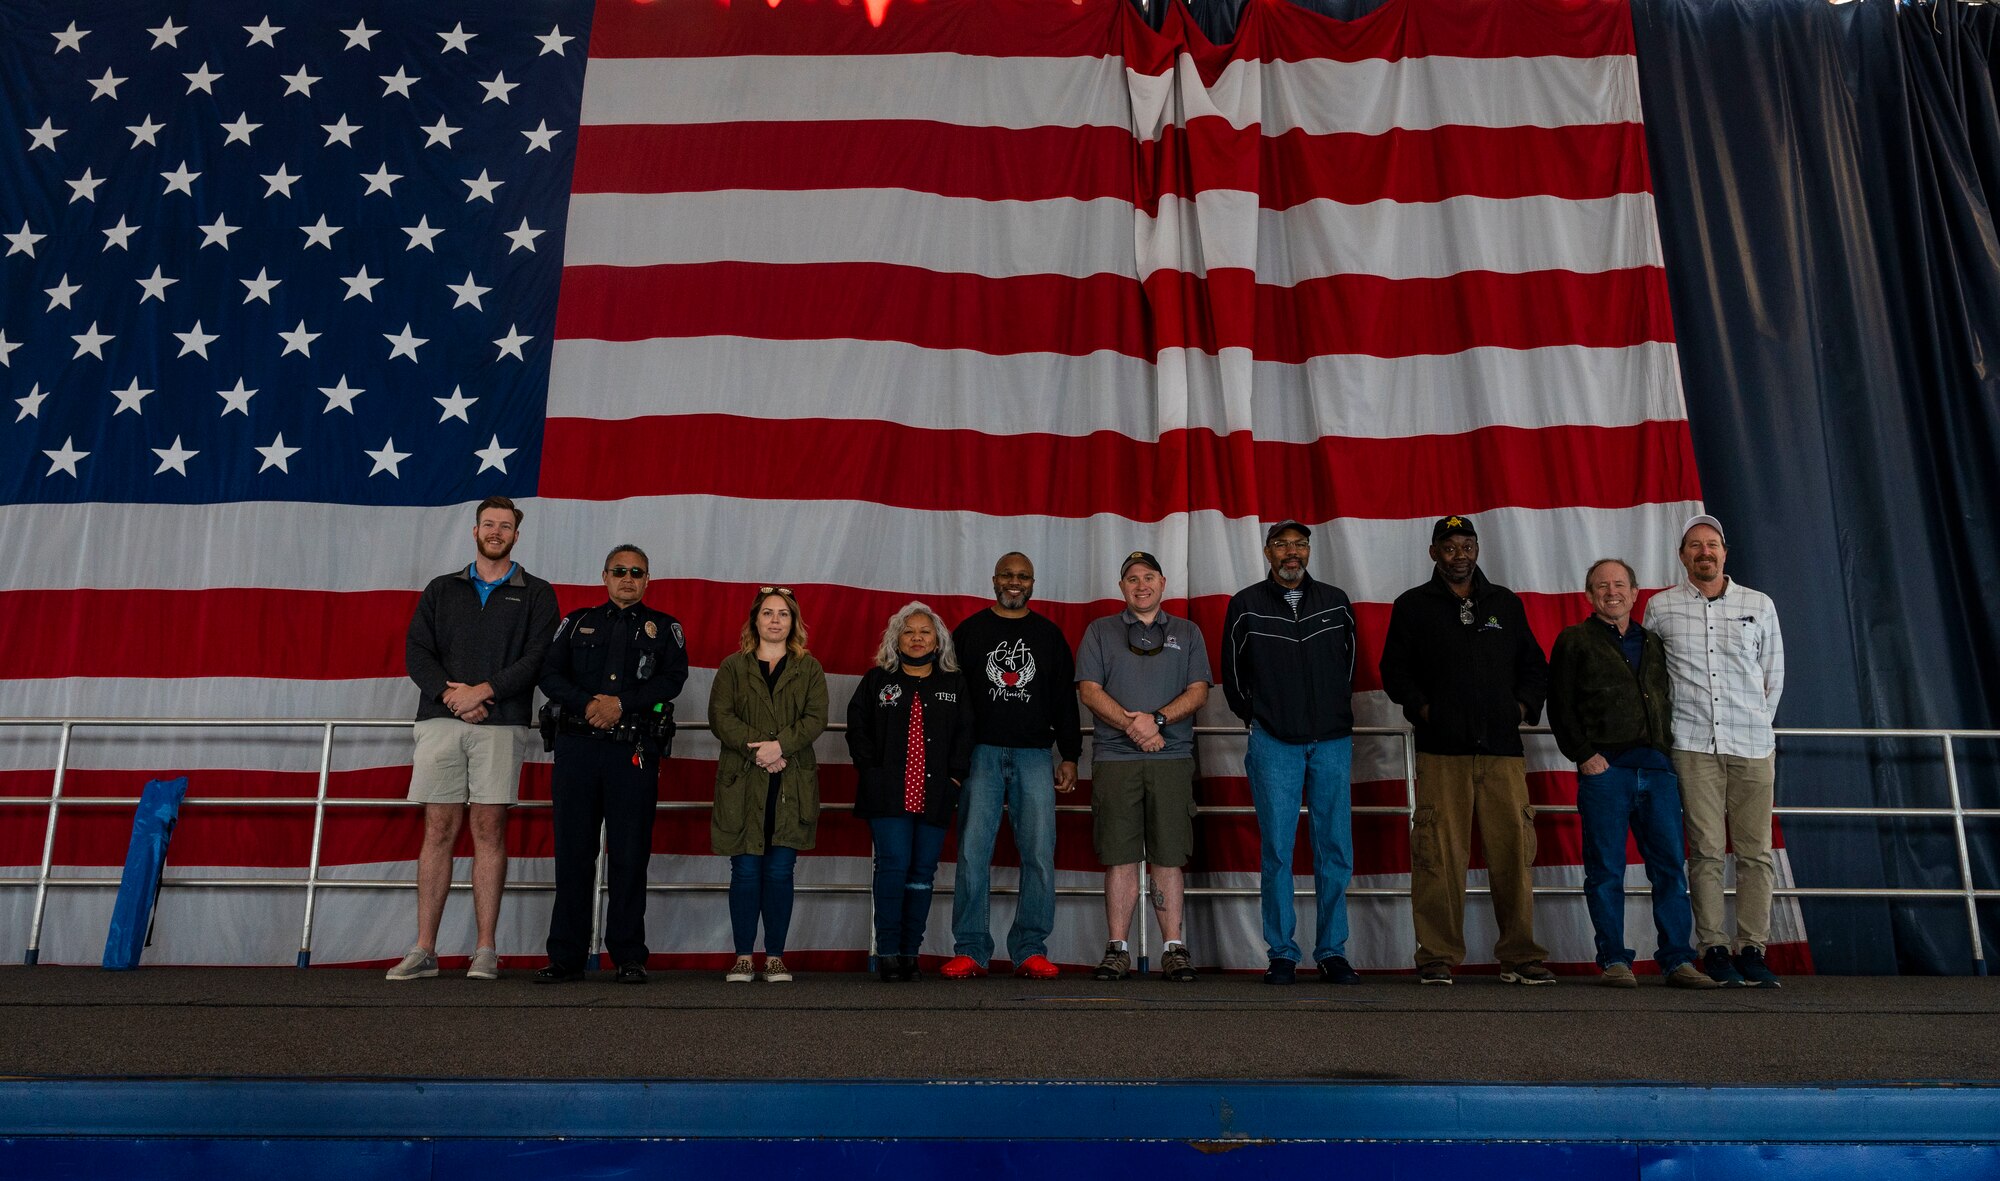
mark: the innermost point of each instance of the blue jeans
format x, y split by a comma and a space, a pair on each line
1282, 776
760, 886
1648, 803
906, 859
1023, 782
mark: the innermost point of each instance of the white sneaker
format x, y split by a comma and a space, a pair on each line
414, 966
485, 965
742, 971
775, 971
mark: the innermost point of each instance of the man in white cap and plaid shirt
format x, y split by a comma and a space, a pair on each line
1726, 661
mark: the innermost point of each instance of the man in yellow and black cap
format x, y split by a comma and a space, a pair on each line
1462, 662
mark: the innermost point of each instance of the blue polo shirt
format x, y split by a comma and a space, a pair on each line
484, 587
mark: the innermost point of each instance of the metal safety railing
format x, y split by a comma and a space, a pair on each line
321, 801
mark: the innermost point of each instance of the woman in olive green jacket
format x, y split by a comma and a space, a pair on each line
767, 705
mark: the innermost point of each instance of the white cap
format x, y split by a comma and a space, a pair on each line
1704, 519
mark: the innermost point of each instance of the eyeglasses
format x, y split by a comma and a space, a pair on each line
776, 590
623, 571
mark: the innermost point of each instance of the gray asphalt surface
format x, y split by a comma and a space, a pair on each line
333, 1023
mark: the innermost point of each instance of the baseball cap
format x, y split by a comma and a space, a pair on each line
1139, 557
1271, 534
1704, 519
1447, 526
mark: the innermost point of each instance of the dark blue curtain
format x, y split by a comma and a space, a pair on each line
1827, 178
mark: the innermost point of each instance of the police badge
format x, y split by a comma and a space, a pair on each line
652, 630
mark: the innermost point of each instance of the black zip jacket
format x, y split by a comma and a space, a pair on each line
878, 733
1481, 680
635, 654
453, 638
1291, 672
1597, 704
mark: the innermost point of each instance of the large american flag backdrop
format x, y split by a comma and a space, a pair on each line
850, 297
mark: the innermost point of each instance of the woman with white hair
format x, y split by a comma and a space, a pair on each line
909, 729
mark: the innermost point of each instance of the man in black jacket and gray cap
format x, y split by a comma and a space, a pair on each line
1288, 670
1462, 662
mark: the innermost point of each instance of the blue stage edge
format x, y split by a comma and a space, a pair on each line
501, 1129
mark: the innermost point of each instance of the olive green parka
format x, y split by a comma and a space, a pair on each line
743, 710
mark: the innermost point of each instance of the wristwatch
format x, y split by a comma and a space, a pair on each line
1159, 719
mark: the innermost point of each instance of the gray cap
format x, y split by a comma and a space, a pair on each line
1704, 519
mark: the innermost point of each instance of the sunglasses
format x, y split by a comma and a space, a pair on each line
775, 590
1154, 635
623, 571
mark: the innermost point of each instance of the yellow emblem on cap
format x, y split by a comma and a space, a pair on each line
1455, 521
652, 630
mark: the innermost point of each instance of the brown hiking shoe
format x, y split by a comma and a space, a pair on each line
1116, 964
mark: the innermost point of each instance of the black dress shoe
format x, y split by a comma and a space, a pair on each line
631, 974
1281, 971
553, 974
906, 967
1335, 969
889, 968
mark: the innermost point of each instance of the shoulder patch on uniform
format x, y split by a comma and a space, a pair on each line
679, 638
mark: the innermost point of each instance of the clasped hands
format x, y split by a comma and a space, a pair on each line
469, 703
1144, 732
768, 755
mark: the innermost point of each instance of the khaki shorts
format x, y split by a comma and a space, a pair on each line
457, 762
1143, 810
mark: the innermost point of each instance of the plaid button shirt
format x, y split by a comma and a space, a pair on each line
1726, 661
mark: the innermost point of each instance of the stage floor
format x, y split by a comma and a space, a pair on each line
339, 1023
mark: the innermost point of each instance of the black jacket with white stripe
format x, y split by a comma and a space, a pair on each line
1291, 671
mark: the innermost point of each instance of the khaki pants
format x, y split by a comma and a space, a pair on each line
1727, 800
1453, 791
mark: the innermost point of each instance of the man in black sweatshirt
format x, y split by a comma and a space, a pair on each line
1023, 698
1462, 662
1288, 670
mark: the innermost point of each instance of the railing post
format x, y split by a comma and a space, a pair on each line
319, 831
1964, 859
34, 951
597, 904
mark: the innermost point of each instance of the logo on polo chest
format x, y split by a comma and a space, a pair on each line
1010, 669
891, 694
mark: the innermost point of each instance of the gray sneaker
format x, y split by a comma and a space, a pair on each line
414, 966
485, 965
1116, 964
1531, 972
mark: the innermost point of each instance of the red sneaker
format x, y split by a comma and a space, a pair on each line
1037, 967
961, 967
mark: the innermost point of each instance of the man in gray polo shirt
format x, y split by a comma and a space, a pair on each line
1143, 674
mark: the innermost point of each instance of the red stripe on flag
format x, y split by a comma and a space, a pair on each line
1045, 28
1088, 163
1074, 316
1107, 472
44, 632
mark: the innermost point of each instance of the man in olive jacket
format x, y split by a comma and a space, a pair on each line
1611, 708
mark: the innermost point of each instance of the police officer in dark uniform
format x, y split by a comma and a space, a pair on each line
609, 676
